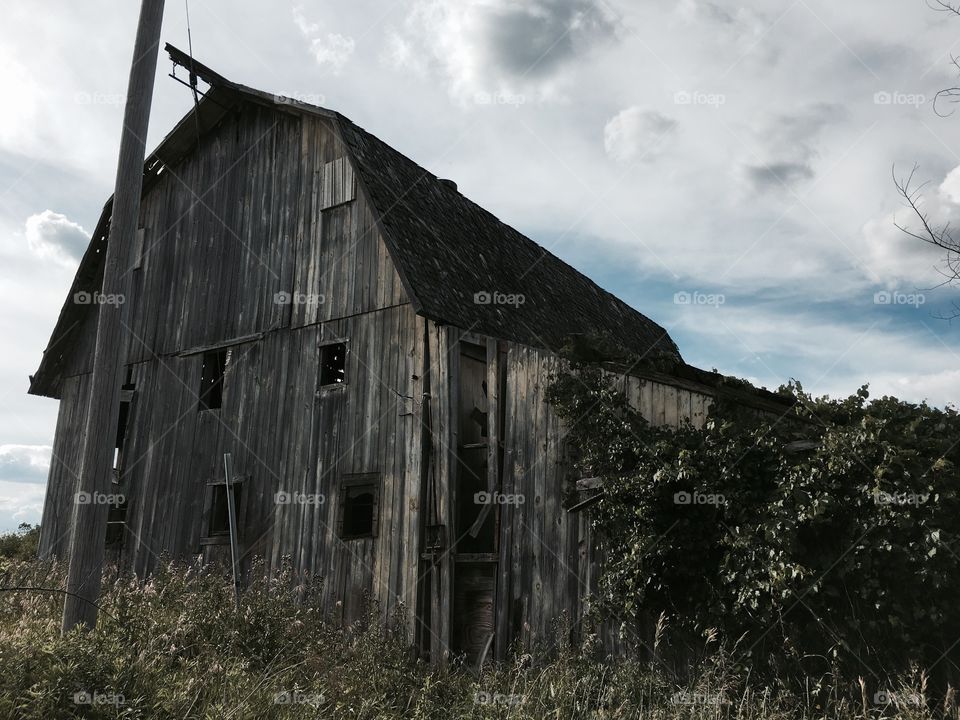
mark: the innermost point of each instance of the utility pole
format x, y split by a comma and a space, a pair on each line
89, 527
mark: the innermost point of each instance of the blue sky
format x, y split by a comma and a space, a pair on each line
735, 154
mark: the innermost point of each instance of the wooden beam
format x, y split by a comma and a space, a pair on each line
88, 531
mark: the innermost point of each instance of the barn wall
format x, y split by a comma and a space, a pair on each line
553, 560
241, 253
62, 480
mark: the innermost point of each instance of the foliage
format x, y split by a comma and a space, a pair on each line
840, 557
22, 544
177, 646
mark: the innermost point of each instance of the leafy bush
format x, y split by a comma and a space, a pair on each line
22, 544
842, 556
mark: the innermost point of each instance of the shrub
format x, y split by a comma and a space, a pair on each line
838, 557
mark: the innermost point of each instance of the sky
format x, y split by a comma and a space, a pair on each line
727, 169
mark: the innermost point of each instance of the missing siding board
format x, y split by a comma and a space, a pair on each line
359, 506
333, 364
211, 379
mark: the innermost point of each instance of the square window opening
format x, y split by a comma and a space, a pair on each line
219, 512
359, 505
333, 363
211, 379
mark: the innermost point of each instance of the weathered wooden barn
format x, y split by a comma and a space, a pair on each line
371, 349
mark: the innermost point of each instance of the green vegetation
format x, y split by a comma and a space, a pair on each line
177, 647
814, 542
773, 567
20, 545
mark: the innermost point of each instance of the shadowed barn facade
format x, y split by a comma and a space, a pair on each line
371, 350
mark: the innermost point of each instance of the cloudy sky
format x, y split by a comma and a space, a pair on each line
724, 168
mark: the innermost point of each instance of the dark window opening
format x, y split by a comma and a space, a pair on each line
219, 511
358, 507
121, 436
333, 363
116, 521
211, 379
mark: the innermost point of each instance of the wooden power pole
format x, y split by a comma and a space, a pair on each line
89, 509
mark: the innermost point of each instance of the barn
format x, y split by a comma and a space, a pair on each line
334, 359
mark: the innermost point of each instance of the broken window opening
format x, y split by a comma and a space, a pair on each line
211, 379
333, 363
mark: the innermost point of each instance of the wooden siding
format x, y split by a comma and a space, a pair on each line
240, 252
553, 560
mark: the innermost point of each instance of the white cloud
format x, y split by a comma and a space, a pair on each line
20, 504
332, 51
51, 235
950, 187
637, 134
25, 463
486, 47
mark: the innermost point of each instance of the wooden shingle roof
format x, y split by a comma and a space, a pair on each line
460, 264
464, 266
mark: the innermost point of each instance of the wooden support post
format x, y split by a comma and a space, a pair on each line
90, 518
232, 520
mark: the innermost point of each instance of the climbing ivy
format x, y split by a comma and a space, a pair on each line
828, 533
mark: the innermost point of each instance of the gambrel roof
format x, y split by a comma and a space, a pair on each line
451, 254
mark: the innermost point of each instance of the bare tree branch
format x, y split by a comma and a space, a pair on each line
929, 232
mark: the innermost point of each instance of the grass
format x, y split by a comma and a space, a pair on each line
177, 647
